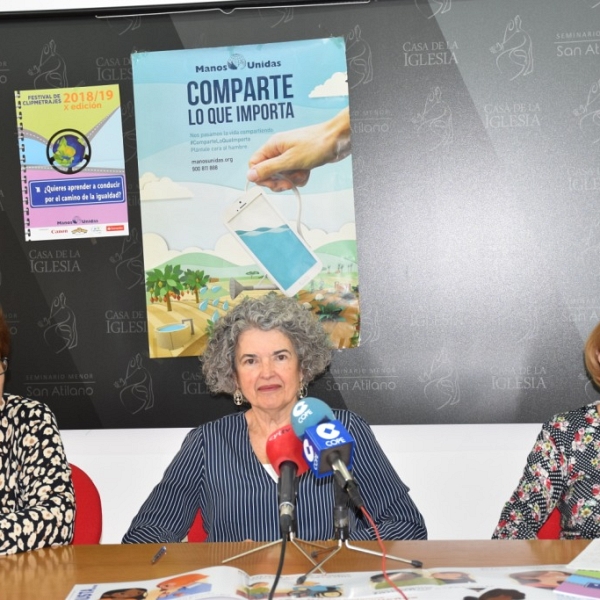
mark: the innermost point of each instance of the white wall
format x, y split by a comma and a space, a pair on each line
459, 475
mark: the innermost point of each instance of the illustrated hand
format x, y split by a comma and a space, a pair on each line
288, 157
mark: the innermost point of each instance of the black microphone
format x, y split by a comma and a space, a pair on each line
341, 519
284, 451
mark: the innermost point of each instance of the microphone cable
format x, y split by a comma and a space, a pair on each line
279, 567
341, 529
384, 572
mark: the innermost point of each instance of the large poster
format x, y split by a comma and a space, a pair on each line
215, 226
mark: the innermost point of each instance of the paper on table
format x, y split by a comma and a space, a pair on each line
588, 559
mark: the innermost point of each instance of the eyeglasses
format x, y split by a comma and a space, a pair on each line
4, 362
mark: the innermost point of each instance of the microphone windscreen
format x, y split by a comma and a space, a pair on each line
308, 412
284, 445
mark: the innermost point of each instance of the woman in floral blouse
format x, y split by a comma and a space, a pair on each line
562, 471
37, 505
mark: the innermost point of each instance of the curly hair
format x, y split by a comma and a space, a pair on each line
267, 312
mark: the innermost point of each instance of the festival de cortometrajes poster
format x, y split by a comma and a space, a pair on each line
72, 163
209, 236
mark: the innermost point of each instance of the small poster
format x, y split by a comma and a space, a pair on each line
210, 123
72, 163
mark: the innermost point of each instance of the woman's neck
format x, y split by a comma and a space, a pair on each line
265, 423
260, 426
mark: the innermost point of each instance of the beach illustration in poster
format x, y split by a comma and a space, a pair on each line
245, 186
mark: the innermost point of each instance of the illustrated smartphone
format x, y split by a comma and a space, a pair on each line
277, 249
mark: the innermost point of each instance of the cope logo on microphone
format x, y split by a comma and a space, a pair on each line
320, 440
301, 411
331, 435
309, 451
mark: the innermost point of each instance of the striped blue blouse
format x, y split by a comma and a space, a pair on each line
217, 472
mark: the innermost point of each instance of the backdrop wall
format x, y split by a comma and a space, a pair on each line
475, 154
476, 172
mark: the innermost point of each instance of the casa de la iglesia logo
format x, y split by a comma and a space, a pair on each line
54, 260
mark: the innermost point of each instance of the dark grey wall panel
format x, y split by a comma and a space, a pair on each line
476, 133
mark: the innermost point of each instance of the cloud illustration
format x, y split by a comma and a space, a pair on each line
336, 85
163, 188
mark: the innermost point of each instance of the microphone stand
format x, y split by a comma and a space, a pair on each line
292, 539
290, 524
341, 529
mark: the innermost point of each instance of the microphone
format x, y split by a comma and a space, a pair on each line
328, 446
341, 519
308, 412
284, 451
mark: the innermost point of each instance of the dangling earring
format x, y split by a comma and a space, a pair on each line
238, 399
303, 390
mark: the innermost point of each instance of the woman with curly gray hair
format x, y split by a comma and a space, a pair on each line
264, 353
266, 313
